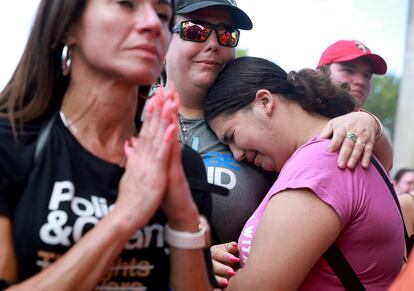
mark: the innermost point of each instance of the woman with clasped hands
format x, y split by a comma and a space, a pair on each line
85, 213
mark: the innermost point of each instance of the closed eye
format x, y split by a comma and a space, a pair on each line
126, 3
228, 137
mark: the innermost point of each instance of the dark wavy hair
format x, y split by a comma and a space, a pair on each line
37, 86
237, 84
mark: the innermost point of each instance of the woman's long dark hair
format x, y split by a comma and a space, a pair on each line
236, 86
37, 86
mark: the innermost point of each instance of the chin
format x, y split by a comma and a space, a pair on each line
206, 80
359, 101
268, 167
145, 77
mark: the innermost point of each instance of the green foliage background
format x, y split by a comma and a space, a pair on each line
384, 99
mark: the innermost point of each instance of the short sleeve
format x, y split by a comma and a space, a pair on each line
313, 167
15, 163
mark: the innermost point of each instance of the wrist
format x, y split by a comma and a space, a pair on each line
189, 239
380, 128
186, 220
123, 221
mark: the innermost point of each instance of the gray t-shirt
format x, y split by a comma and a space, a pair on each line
247, 183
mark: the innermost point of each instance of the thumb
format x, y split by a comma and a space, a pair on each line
327, 131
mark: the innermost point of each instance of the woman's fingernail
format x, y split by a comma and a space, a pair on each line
341, 164
231, 273
234, 259
223, 282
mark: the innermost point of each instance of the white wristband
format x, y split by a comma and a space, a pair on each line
188, 240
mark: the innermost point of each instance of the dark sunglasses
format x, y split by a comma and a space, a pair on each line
198, 31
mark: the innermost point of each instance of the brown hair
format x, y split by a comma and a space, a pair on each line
236, 86
37, 86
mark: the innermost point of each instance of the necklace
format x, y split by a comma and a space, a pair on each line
186, 128
72, 128
66, 122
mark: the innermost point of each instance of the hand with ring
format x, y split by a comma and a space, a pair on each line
353, 135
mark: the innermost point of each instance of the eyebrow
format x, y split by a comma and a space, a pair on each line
353, 66
164, 2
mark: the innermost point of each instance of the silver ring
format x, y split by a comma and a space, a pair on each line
352, 136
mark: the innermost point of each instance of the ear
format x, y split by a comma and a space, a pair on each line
70, 35
266, 101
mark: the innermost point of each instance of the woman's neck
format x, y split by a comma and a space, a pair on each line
303, 125
101, 118
192, 100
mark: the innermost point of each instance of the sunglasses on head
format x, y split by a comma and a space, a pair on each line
199, 31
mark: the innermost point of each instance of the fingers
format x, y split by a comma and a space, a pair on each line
226, 254
326, 131
354, 148
368, 151
355, 152
338, 139
222, 270
354, 136
225, 250
224, 262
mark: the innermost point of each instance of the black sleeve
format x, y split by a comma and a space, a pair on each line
15, 164
196, 174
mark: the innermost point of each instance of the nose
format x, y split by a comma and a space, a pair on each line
238, 153
359, 79
212, 41
147, 20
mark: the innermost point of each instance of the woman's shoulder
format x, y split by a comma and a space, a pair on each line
311, 154
21, 134
16, 148
407, 202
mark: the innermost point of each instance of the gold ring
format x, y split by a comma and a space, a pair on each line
352, 136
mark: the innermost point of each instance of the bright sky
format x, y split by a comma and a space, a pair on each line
292, 33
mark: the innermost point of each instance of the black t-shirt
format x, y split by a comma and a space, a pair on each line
56, 199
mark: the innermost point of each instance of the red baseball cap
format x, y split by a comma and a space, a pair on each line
348, 50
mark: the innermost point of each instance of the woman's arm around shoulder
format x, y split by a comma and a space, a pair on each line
369, 139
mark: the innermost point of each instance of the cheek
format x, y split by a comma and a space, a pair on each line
340, 77
181, 52
165, 40
228, 54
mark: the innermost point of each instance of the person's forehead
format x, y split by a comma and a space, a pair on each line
361, 64
408, 176
214, 15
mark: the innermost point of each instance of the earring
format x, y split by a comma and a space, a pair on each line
66, 60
